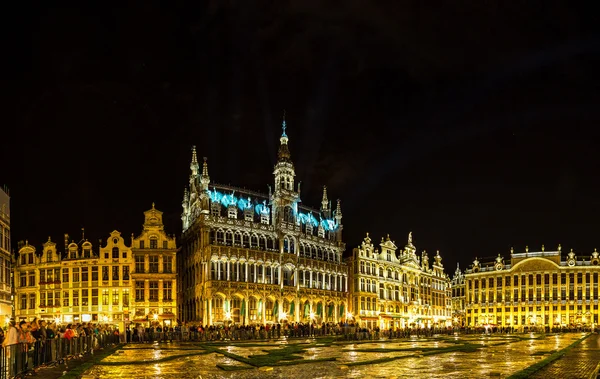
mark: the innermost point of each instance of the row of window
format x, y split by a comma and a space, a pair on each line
82, 274
4, 238
153, 290
153, 264
370, 304
531, 279
86, 252
254, 241
532, 295
367, 268
82, 297
255, 273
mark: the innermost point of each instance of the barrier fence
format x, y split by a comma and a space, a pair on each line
18, 359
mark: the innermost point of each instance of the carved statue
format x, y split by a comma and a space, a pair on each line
410, 238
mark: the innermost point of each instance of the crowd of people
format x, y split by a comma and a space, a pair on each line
28, 345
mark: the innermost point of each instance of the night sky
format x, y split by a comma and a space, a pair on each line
472, 124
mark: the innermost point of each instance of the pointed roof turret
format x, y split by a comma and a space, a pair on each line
338, 212
194, 164
205, 179
205, 168
325, 201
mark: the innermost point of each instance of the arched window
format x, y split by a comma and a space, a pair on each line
220, 237
254, 241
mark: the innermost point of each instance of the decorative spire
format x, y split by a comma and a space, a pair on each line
338, 212
205, 168
153, 205
283, 126
194, 164
324, 202
284, 151
410, 239
205, 179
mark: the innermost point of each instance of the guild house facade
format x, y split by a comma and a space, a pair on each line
254, 258
395, 289
533, 289
111, 283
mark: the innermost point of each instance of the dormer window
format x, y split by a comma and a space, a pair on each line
165, 244
115, 253
215, 209
309, 229
153, 243
73, 253
141, 244
264, 218
49, 256
321, 231
232, 212
87, 252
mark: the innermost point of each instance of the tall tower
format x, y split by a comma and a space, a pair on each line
284, 199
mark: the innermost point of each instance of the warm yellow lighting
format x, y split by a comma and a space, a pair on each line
227, 315
312, 315
7, 320
105, 318
57, 320
282, 315
86, 317
155, 317
349, 315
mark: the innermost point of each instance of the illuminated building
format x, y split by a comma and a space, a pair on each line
154, 278
83, 284
534, 289
249, 257
458, 298
393, 288
6, 301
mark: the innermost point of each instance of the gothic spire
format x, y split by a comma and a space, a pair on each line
194, 164
284, 151
325, 201
338, 212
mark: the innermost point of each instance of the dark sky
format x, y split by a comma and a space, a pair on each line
473, 124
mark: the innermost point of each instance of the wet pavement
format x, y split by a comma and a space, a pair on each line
466, 356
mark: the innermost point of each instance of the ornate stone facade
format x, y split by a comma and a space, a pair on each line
534, 289
154, 282
249, 257
393, 288
84, 284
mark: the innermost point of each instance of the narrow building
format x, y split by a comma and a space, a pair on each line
393, 288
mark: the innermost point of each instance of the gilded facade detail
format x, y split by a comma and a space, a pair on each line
535, 289
393, 288
83, 283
